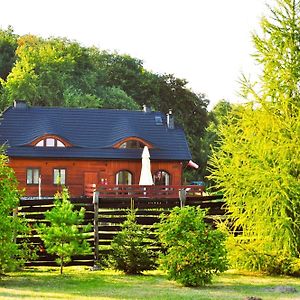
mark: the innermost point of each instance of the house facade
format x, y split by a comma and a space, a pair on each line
49, 147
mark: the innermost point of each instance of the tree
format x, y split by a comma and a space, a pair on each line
190, 111
114, 97
210, 139
12, 255
65, 236
193, 251
8, 46
258, 162
42, 71
59, 72
129, 251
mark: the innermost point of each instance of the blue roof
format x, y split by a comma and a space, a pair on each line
92, 132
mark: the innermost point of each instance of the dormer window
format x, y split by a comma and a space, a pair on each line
133, 143
50, 142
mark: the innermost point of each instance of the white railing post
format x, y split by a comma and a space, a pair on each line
96, 228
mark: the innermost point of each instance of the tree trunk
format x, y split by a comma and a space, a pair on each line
61, 265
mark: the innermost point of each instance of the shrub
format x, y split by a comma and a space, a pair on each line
63, 236
130, 251
193, 251
12, 255
255, 256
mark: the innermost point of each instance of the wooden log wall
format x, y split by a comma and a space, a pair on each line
111, 214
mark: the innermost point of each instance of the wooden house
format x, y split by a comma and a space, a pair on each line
50, 146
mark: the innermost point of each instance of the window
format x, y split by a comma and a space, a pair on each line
40, 143
59, 144
132, 144
32, 176
50, 142
59, 176
158, 120
124, 177
161, 178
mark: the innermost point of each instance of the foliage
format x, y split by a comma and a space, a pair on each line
65, 236
190, 111
257, 164
194, 252
8, 46
130, 251
12, 255
114, 97
254, 258
210, 139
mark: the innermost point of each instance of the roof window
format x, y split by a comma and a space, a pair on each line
50, 142
132, 144
158, 120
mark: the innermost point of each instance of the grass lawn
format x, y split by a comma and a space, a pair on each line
81, 283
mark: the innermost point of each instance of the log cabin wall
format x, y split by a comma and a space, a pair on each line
81, 172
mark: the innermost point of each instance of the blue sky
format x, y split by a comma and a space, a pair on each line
207, 42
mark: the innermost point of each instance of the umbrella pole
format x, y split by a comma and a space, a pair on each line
131, 204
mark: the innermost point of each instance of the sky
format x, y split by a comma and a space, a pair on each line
206, 42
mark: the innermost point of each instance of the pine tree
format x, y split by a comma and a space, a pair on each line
64, 236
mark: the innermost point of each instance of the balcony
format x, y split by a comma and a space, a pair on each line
143, 191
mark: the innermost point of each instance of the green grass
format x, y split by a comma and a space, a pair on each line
81, 283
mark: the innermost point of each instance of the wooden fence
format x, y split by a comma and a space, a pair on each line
111, 213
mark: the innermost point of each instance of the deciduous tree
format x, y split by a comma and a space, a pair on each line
11, 254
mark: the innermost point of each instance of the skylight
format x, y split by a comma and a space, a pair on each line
158, 120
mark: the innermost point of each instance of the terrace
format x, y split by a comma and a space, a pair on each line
143, 191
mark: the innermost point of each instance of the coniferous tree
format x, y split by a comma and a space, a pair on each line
258, 162
64, 236
130, 253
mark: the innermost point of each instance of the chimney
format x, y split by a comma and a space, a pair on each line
146, 109
20, 104
170, 120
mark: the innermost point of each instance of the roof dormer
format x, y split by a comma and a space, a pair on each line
132, 143
50, 141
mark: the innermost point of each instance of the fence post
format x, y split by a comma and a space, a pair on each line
96, 229
182, 197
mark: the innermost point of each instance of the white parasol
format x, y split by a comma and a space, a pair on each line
146, 176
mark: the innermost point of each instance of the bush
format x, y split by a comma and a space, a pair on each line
130, 252
255, 256
12, 254
193, 251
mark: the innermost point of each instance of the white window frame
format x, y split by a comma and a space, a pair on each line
130, 177
59, 176
32, 176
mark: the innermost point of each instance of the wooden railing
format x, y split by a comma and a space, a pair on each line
143, 191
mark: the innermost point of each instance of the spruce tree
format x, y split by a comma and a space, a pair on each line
130, 252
